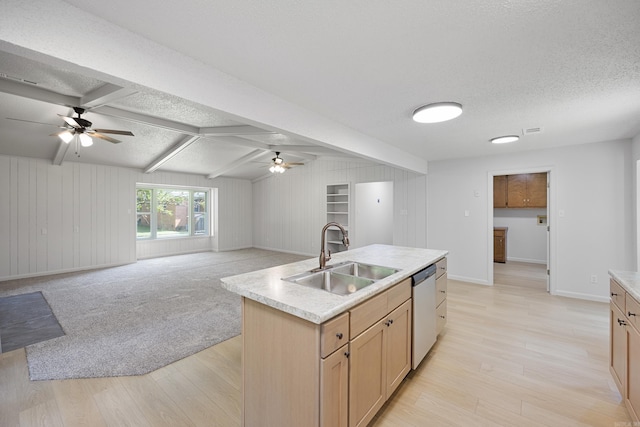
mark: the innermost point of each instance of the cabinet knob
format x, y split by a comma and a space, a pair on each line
613, 294
441, 316
630, 314
444, 292
621, 322
389, 322
346, 354
339, 335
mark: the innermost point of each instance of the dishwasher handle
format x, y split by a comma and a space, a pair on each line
423, 275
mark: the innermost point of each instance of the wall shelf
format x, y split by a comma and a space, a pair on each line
337, 203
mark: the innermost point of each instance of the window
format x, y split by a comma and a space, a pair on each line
171, 212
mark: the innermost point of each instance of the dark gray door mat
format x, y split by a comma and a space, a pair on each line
26, 319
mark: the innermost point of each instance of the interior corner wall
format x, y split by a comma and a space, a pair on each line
289, 209
593, 189
77, 216
635, 189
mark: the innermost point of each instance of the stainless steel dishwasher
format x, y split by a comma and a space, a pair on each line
424, 313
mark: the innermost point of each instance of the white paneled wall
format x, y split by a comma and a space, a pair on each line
290, 209
78, 216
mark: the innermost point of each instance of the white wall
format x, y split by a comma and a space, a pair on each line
635, 200
592, 185
289, 208
78, 216
526, 240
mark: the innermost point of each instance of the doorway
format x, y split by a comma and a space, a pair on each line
525, 230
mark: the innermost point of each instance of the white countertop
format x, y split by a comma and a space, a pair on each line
316, 305
629, 280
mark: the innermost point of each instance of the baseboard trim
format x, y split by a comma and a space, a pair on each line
468, 280
578, 295
530, 261
63, 271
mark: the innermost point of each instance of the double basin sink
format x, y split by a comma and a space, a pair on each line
344, 278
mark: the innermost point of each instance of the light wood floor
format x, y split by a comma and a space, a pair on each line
509, 356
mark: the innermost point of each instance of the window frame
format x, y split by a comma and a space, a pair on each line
191, 214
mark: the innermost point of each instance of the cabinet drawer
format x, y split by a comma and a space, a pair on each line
617, 294
399, 294
368, 313
632, 310
441, 316
441, 289
441, 267
334, 334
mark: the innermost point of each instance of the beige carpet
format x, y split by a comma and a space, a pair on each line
133, 319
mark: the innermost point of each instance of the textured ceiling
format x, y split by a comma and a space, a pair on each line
361, 67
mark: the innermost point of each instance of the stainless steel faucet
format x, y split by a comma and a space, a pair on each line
345, 240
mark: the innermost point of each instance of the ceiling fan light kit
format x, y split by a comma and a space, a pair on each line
437, 112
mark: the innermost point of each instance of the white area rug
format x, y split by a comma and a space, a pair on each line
133, 319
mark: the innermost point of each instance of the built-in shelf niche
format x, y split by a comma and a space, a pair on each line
338, 203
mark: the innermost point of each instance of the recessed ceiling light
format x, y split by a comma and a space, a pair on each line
438, 112
504, 139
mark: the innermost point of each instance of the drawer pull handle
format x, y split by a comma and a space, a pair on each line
630, 313
443, 268
622, 322
339, 335
613, 294
444, 292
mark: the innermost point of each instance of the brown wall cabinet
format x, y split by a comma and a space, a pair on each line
527, 190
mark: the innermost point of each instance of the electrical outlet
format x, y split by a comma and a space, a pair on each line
594, 279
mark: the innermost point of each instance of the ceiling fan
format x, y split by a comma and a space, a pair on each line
82, 128
278, 165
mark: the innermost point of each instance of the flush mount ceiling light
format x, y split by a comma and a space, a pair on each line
504, 139
438, 112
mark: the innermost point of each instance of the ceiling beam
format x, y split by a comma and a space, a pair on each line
235, 140
172, 152
61, 152
241, 161
105, 94
37, 93
234, 130
147, 120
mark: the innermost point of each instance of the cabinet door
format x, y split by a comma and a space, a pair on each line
537, 190
398, 346
367, 380
633, 373
499, 253
334, 389
517, 191
618, 347
500, 191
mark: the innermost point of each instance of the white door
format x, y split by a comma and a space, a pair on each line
373, 214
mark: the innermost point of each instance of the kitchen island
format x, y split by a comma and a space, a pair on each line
314, 358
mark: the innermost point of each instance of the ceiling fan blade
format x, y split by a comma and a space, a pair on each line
117, 132
295, 164
31, 121
70, 121
105, 137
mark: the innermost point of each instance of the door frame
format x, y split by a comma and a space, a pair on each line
551, 220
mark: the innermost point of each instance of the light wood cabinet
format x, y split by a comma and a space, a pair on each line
624, 360
380, 359
339, 373
334, 389
500, 244
520, 191
441, 295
